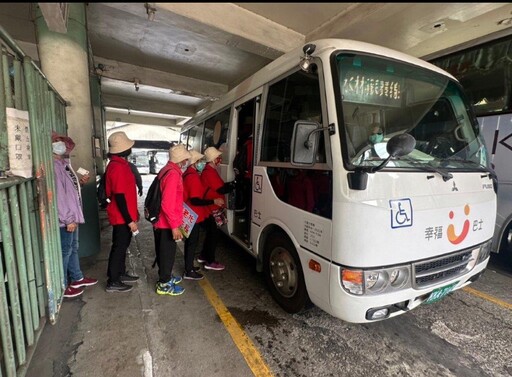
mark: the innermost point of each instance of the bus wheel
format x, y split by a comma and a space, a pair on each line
283, 273
506, 246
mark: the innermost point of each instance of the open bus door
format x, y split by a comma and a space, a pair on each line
243, 163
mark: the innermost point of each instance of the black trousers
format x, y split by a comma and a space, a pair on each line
191, 246
210, 239
165, 249
121, 238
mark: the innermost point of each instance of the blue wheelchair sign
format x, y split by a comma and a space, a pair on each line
401, 213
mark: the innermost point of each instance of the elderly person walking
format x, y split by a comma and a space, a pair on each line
167, 228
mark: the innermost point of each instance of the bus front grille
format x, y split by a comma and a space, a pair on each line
434, 271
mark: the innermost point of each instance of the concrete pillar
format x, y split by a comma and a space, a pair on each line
64, 61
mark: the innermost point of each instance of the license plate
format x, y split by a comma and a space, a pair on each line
438, 293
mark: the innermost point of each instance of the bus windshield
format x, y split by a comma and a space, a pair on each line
381, 98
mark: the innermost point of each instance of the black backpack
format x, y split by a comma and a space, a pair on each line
101, 192
153, 199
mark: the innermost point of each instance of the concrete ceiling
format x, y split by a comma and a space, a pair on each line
160, 62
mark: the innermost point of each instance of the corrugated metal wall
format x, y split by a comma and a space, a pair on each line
31, 277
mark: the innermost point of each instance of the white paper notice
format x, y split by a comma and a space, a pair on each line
20, 148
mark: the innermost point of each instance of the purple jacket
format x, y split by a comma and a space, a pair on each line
68, 199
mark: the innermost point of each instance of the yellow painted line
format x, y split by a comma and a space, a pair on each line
487, 297
245, 345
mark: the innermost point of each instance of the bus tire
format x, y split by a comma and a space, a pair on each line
506, 246
283, 273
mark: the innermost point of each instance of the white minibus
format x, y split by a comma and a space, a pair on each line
367, 192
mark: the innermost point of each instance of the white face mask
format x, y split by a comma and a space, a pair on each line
59, 148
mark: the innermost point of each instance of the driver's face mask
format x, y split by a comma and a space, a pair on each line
376, 138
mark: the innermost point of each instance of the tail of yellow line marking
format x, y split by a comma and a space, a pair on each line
242, 341
487, 297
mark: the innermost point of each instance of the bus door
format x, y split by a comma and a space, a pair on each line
243, 163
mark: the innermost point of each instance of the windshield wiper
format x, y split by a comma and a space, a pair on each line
476, 165
427, 167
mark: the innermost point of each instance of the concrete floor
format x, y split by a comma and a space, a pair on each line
137, 333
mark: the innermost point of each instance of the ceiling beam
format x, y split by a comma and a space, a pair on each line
224, 23
146, 76
138, 119
150, 106
56, 16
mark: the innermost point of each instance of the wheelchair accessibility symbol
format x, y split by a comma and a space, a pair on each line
401, 213
258, 183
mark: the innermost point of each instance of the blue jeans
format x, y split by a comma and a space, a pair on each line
70, 260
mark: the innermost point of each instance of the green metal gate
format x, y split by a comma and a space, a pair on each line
31, 277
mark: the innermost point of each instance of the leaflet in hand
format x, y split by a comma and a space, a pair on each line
189, 220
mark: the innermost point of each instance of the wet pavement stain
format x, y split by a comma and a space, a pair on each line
252, 317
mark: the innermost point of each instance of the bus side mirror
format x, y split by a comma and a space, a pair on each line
305, 142
401, 145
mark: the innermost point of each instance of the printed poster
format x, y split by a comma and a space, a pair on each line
189, 220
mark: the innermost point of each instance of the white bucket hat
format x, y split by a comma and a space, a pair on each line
196, 156
118, 142
211, 153
179, 153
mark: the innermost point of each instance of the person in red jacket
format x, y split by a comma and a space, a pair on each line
215, 189
193, 195
122, 211
167, 228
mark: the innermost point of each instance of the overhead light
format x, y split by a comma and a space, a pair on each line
150, 10
505, 22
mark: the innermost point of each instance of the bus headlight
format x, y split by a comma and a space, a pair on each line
371, 282
485, 251
352, 281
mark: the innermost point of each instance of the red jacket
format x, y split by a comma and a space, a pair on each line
212, 182
171, 210
120, 180
193, 188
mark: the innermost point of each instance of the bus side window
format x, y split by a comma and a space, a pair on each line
296, 97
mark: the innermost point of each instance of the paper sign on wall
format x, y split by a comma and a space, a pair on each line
20, 148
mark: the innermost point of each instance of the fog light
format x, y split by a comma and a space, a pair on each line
380, 313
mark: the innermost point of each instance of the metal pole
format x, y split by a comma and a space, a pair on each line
34, 98
12, 281
27, 236
4, 148
19, 252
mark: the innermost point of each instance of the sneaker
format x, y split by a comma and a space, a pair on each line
169, 289
201, 259
73, 292
193, 275
84, 282
127, 278
118, 287
176, 279
216, 266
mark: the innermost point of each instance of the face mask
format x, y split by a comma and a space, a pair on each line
59, 148
184, 165
200, 166
376, 138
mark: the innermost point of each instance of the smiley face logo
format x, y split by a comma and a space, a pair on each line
452, 236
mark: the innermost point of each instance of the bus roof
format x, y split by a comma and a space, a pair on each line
291, 59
